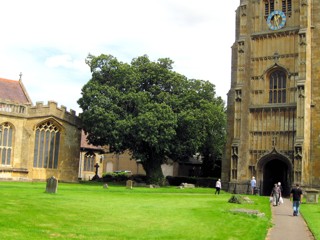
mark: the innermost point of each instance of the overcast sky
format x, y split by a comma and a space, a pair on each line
48, 41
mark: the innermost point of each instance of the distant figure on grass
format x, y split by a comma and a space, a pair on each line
218, 186
276, 194
253, 184
296, 196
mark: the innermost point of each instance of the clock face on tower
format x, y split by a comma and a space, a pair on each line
276, 20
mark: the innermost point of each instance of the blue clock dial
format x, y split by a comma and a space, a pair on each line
276, 20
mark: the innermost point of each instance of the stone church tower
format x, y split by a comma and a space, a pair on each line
274, 101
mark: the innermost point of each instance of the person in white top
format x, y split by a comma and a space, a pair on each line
218, 186
253, 184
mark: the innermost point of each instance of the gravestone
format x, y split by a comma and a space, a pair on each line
105, 185
187, 185
312, 195
52, 185
248, 211
129, 184
96, 176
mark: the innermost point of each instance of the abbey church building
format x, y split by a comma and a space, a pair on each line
36, 141
274, 100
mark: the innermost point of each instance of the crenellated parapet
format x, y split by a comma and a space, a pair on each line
52, 109
39, 111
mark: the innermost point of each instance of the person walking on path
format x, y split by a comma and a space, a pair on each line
218, 186
285, 226
253, 184
280, 187
276, 194
281, 191
296, 196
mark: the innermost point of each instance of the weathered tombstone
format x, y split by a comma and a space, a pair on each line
248, 211
312, 195
187, 185
105, 185
129, 184
52, 185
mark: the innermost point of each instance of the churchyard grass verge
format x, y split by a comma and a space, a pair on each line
311, 213
89, 211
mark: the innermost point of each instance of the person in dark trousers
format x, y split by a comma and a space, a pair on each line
218, 186
296, 196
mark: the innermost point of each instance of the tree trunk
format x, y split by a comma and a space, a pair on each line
152, 167
207, 166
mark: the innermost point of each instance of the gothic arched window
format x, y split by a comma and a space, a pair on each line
89, 161
6, 133
277, 87
46, 148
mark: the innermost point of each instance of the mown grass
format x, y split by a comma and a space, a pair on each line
311, 213
88, 211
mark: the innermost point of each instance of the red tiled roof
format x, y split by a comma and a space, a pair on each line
85, 144
13, 91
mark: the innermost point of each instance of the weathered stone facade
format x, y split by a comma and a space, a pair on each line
274, 100
36, 142
91, 155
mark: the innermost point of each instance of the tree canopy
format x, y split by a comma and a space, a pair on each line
152, 111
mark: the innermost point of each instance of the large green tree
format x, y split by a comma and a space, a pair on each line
147, 108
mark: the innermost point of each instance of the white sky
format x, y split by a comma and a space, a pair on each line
48, 41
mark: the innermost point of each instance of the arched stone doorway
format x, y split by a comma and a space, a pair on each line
275, 167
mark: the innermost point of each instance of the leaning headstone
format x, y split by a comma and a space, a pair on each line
52, 185
129, 184
187, 185
105, 185
247, 199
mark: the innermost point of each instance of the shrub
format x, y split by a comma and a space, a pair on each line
115, 177
139, 178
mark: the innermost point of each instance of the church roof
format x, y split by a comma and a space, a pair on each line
86, 145
13, 91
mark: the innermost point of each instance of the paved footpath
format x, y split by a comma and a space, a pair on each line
286, 226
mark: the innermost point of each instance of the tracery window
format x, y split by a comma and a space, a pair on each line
46, 149
89, 161
268, 7
6, 133
277, 87
286, 6
234, 163
234, 171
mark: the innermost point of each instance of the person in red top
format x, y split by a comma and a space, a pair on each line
296, 196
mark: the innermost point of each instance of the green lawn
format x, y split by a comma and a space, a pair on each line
88, 211
311, 213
